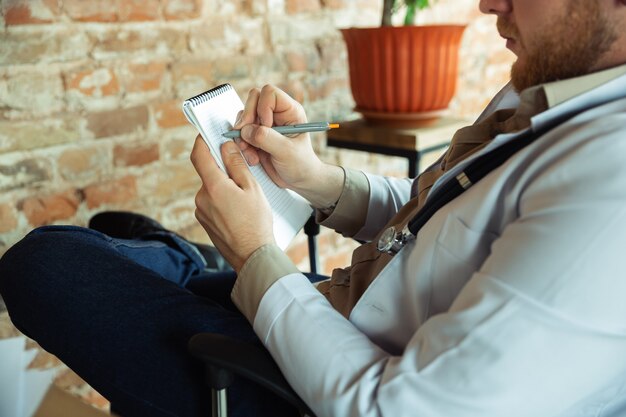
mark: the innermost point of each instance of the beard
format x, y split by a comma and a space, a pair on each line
568, 48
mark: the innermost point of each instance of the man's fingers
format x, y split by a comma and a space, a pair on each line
265, 138
203, 162
236, 166
277, 107
249, 114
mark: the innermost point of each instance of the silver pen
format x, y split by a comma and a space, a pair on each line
291, 129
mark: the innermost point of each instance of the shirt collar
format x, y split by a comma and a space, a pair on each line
558, 92
539, 98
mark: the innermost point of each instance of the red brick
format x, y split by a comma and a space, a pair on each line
189, 78
36, 91
8, 221
18, 12
302, 6
169, 114
181, 9
178, 148
43, 46
335, 4
98, 82
128, 41
138, 78
22, 135
118, 122
234, 68
90, 10
47, 209
135, 155
206, 38
138, 10
175, 179
111, 192
82, 162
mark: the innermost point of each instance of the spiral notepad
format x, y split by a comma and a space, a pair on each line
213, 113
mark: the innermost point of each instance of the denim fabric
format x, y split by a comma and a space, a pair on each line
120, 313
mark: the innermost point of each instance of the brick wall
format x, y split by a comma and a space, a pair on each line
90, 94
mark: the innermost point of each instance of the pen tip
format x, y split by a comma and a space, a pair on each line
333, 125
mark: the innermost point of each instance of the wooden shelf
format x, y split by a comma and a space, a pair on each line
410, 143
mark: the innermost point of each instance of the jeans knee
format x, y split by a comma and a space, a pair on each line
18, 264
28, 268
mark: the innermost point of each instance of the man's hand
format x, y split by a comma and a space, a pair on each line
290, 162
232, 208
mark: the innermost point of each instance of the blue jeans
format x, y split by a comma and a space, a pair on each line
120, 313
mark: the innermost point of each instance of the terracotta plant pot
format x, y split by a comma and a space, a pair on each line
403, 75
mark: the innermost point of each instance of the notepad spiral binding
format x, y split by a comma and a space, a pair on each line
208, 95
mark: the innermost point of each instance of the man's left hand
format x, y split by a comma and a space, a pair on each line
232, 208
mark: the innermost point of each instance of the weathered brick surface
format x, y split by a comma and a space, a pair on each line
302, 6
133, 42
111, 192
39, 92
43, 45
90, 95
23, 173
20, 12
24, 135
8, 219
90, 11
138, 10
191, 77
181, 9
47, 209
169, 114
118, 122
135, 155
85, 162
139, 77
93, 82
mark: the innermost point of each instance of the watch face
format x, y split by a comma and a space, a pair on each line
385, 243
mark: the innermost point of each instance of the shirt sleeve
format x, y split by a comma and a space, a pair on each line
366, 204
538, 328
264, 267
350, 213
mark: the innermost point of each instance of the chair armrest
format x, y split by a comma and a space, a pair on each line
225, 357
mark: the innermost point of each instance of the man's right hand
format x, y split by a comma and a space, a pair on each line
291, 162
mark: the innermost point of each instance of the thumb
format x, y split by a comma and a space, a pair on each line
265, 138
236, 166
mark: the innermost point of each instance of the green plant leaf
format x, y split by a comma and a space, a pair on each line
412, 6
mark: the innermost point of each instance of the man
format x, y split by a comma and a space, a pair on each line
508, 302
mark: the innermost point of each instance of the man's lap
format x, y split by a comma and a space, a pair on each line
121, 325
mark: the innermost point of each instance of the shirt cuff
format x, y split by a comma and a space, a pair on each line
262, 269
349, 215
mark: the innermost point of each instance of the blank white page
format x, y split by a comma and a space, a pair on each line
213, 113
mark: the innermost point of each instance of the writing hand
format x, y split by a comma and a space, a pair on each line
291, 161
